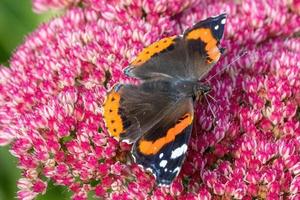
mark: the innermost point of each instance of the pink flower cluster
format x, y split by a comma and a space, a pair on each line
51, 95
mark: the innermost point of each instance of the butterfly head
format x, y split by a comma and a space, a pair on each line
200, 89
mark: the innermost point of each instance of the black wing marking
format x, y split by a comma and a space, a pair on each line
162, 149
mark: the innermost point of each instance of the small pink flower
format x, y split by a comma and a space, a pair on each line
24, 183
176, 188
99, 191
39, 187
252, 190
204, 194
26, 194
253, 177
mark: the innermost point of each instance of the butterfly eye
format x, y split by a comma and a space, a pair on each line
206, 89
202, 88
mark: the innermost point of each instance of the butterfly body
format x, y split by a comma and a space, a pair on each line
157, 115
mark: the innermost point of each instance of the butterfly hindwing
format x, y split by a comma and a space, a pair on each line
130, 110
162, 149
187, 57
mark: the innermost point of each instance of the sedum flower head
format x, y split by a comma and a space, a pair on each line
53, 89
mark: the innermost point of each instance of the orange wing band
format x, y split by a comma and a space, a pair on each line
153, 49
151, 148
205, 35
112, 118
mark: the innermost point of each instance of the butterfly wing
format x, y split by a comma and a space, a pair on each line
162, 149
165, 59
202, 45
186, 57
131, 110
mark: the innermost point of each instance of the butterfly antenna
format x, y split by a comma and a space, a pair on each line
234, 60
213, 113
210, 96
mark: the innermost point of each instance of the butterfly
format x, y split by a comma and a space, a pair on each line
157, 114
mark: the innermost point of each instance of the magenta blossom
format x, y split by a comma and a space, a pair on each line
52, 92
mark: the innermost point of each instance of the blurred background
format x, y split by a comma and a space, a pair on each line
16, 21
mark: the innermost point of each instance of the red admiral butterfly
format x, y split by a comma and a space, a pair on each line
157, 115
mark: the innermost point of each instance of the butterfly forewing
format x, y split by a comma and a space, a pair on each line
188, 57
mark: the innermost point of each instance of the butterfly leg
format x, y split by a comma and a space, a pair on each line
201, 89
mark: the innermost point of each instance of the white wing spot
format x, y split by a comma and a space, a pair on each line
166, 169
223, 21
216, 27
161, 155
179, 151
163, 163
176, 170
